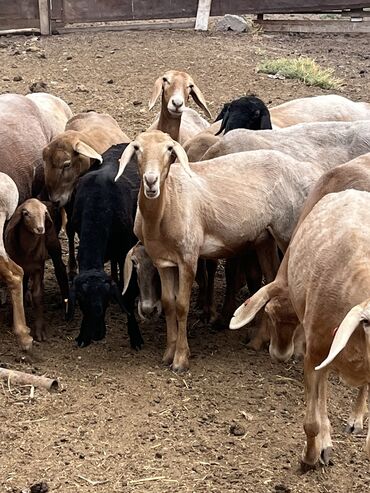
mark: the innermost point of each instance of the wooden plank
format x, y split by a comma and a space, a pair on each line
204, 9
143, 26
298, 26
19, 24
44, 10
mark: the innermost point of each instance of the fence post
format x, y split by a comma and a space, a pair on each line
204, 9
44, 11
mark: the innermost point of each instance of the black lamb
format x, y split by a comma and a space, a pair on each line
246, 112
103, 217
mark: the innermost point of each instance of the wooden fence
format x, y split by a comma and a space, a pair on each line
55, 14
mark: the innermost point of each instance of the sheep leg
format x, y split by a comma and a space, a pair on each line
55, 252
168, 277
355, 421
312, 449
12, 274
232, 286
209, 308
39, 332
325, 428
201, 279
72, 263
182, 353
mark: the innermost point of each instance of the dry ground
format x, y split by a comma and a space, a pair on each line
122, 418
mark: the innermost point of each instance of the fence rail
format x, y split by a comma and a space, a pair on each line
52, 14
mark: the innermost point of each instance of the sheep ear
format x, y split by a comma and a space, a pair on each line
125, 158
127, 270
224, 121
157, 89
87, 151
198, 97
182, 157
266, 121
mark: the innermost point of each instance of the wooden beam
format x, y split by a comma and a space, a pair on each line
44, 10
204, 9
145, 26
298, 26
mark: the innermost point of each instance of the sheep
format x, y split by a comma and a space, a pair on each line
103, 217
24, 132
175, 118
71, 154
55, 109
29, 237
246, 112
324, 142
329, 281
208, 211
329, 107
10, 272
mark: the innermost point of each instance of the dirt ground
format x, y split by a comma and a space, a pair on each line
123, 422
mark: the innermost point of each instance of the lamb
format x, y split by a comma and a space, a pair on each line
330, 107
29, 237
103, 217
10, 272
175, 118
246, 112
184, 214
324, 142
331, 300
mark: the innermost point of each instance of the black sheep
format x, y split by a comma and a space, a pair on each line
103, 217
246, 112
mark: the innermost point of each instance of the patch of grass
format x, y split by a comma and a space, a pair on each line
302, 68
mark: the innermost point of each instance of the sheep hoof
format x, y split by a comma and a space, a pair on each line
168, 357
26, 342
180, 364
136, 341
353, 428
39, 334
305, 467
325, 456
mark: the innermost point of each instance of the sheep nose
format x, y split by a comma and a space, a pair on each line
177, 102
40, 229
151, 179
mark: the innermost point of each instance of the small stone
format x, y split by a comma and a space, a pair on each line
41, 55
39, 488
158, 455
15, 52
69, 57
237, 430
110, 81
137, 103
3, 45
17, 78
281, 488
99, 56
39, 86
6, 79
234, 23
32, 49
81, 88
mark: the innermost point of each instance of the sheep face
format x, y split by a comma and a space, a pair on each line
155, 153
34, 216
176, 87
148, 281
283, 323
92, 290
247, 112
66, 158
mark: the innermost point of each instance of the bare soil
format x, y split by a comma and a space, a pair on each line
123, 422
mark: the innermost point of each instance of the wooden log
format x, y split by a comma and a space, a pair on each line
21, 378
303, 26
204, 9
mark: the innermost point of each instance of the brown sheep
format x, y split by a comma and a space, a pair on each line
29, 238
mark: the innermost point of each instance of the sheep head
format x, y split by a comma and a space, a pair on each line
34, 216
176, 87
66, 158
155, 152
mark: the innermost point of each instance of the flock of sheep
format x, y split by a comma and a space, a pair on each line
257, 186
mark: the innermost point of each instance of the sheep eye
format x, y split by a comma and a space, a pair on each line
25, 213
136, 147
66, 164
191, 86
165, 80
170, 148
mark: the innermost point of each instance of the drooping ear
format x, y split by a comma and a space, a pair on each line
10, 235
126, 158
182, 157
157, 89
86, 150
225, 119
222, 113
266, 120
127, 270
198, 97
116, 295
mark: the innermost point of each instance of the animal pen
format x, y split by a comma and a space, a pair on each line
58, 16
